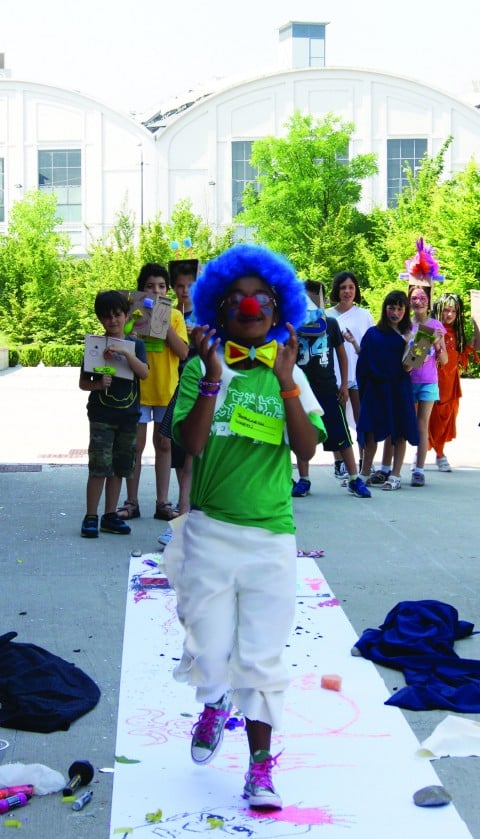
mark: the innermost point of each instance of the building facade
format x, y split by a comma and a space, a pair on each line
98, 161
93, 158
204, 152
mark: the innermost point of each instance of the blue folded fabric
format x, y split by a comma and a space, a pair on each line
418, 637
40, 691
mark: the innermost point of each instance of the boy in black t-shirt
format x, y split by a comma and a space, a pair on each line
113, 412
318, 340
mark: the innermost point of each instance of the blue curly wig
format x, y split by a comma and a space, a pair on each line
243, 261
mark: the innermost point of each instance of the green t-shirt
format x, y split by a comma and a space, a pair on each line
238, 479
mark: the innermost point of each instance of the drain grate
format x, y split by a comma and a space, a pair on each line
62, 455
20, 467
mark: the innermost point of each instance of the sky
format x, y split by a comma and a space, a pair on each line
136, 54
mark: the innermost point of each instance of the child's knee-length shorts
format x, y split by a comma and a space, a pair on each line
235, 590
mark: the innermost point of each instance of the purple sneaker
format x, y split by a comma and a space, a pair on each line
208, 731
259, 790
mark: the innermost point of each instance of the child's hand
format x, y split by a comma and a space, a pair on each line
350, 337
343, 395
110, 352
106, 381
207, 349
285, 360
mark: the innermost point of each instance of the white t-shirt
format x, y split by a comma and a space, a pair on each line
357, 320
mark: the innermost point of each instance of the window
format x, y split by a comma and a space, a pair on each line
307, 43
317, 52
60, 172
242, 173
2, 191
400, 154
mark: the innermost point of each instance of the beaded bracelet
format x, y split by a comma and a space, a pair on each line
290, 394
208, 388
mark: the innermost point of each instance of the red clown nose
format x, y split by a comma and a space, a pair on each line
249, 307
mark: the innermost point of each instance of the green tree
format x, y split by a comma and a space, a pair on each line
156, 238
309, 189
458, 223
394, 232
31, 258
112, 260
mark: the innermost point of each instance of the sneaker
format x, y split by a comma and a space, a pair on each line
90, 527
418, 479
112, 523
443, 464
208, 731
378, 478
358, 488
393, 484
259, 790
301, 488
340, 470
165, 538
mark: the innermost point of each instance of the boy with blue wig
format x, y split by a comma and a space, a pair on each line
243, 407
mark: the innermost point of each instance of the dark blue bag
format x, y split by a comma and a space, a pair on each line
40, 691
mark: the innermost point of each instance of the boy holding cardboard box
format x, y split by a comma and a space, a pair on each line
166, 342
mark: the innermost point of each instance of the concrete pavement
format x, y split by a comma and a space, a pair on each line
67, 594
44, 420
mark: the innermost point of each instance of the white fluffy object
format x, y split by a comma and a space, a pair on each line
454, 737
44, 779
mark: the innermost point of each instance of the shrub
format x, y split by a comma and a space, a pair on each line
472, 371
62, 355
30, 355
13, 356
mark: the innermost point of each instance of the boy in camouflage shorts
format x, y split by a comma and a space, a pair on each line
113, 410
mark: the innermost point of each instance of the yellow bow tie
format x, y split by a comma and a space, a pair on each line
267, 353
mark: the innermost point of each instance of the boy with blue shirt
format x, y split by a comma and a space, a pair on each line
318, 340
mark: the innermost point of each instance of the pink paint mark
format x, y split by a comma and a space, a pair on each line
297, 815
315, 583
142, 595
332, 602
148, 724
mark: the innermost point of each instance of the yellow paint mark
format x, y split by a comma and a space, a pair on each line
214, 822
154, 818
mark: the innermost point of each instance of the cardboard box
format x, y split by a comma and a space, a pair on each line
419, 346
475, 306
95, 345
151, 315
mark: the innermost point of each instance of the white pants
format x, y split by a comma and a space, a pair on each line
235, 591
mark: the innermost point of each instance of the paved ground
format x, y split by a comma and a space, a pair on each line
67, 594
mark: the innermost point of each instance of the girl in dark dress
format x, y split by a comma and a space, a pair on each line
387, 409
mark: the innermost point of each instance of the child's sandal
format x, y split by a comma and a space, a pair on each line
392, 484
130, 510
165, 512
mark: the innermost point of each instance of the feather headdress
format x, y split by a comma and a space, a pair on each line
422, 267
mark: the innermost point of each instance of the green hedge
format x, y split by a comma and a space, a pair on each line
13, 357
30, 355
62, 355
52, 355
